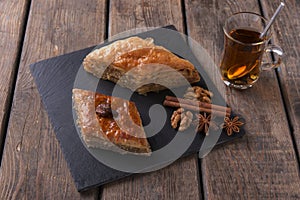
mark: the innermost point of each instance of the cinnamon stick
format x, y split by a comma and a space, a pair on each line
198, 103
196, 106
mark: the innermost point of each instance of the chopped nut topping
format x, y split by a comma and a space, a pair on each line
104, 110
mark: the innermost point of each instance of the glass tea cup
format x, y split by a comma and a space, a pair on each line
244, 50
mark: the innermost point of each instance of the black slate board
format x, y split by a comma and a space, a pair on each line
55, 79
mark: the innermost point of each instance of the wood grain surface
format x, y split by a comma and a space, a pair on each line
286, 31
33, 166
12, 22
126, 15
262, 165
180, 180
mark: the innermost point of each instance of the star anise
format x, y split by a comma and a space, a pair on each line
203, 123
232, 125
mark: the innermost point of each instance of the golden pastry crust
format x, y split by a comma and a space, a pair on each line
143, 67
104, 132
98, 60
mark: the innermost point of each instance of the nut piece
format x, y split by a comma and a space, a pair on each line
190, 94
198, 93
186, 121
104, 110
184, 117
176, 116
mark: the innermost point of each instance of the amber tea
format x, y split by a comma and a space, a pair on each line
244, 49
241, 60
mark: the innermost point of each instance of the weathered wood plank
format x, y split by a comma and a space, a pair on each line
12, 22
180, 180
33, 166
124, 15
177, 181
286, 34
262, 164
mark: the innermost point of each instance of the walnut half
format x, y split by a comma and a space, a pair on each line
182, 118
198, 93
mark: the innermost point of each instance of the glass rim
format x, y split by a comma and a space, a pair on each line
247, 44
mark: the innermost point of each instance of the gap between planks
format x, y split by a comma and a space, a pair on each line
200, 176
284, 102
14, 79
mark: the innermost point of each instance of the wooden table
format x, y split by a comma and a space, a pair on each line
262, 165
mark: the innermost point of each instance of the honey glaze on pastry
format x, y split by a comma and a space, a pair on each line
149, 64
100, 123
98, 60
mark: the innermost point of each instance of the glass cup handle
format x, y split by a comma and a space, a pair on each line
277, 52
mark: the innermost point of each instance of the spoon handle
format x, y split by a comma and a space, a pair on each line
272, 20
